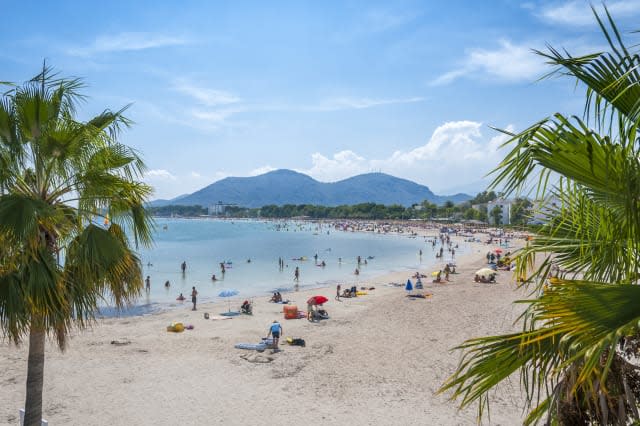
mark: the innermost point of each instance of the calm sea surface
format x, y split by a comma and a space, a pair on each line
204, 243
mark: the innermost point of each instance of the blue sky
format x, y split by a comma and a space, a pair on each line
331, 89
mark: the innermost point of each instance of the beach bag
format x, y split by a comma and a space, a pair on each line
296, 342
176, 327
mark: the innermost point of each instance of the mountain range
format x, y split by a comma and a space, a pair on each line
283, 186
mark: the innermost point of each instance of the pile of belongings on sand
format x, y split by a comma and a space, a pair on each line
178, 327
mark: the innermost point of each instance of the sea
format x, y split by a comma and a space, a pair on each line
251, 249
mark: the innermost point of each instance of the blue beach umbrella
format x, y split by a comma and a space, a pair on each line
228, 293
409, 286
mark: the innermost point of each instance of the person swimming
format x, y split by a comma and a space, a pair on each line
180, 298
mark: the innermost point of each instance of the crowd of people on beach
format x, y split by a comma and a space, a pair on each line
443, 243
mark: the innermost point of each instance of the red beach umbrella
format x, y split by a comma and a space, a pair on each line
317, 300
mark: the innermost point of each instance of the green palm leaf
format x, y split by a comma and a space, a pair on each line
57, 175
567, 355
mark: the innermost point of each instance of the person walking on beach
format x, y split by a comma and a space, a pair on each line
147, 283
338, 288
194, 297
275, 331
296, 274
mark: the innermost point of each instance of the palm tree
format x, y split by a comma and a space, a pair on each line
580, 325
59, 177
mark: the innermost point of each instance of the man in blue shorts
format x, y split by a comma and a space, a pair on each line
275, 331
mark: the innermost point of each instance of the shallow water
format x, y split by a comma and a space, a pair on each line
204, 243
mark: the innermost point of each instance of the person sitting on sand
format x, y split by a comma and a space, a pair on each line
354, 290
246, 308
276, 298
180, 298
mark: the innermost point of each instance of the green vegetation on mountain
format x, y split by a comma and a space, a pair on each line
282, 187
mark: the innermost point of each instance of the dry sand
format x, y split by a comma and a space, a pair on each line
378, 361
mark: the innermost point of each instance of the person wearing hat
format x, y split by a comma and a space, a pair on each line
275, 331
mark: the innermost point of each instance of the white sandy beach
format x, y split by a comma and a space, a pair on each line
378, 361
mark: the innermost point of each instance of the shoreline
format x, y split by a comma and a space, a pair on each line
392, 228
378, 360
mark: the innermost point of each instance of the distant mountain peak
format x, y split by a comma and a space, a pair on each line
284, 186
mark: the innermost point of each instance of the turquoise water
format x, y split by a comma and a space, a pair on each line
204, 243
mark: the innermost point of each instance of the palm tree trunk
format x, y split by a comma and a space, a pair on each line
35, 378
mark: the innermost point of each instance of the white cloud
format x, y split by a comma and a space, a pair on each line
579, 13
508, 62
378, 20
261, 170
213, 117
167, 185
455, 154
159, 175
342, 165
346, 102
206, 96
128, 41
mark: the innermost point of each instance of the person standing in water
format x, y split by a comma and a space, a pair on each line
296, 274
183, 266
194, 297
147, 283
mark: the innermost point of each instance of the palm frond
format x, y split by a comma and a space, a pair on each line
575, 322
